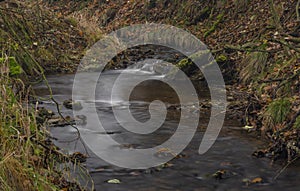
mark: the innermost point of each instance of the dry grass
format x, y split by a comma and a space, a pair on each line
253, 66
88, 24
21, 158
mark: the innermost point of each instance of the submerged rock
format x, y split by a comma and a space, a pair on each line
78, 156
58, 121
70, 104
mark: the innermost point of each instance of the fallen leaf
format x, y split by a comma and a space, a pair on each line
247, 127
256, 180
114, 181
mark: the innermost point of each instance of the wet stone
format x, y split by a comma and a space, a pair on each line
70, 104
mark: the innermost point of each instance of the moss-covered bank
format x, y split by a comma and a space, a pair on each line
33, 41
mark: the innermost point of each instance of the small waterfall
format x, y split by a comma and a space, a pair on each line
152, 66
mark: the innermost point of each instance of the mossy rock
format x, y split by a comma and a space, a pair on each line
184, 63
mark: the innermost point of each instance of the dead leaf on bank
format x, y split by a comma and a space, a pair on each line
256, 180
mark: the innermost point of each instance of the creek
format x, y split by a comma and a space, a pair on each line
190, 171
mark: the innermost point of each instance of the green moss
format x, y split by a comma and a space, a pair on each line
14, 67
214, 26
184, 63
15, 46
221, 58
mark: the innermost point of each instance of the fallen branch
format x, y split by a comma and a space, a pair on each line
271, 80
283, 169
281, 80
297, 74
284, 43
291, 123
293, 39
239, 48
297, 11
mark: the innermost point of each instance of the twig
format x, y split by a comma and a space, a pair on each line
291, 123
271, 80
283, 169
9, 10
5, 158
297, 74
293, 39
282, 42
297, 11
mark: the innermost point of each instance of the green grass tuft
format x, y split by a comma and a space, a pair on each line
297, 123
278, 110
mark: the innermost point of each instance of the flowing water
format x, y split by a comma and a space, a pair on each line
190, 171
